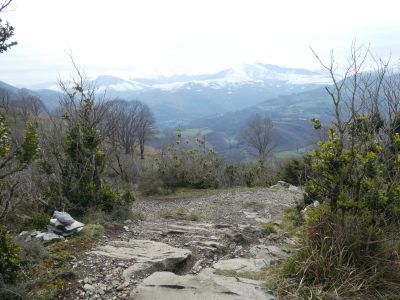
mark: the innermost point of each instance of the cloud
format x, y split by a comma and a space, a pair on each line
148, 37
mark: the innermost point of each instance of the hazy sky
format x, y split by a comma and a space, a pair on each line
146, 37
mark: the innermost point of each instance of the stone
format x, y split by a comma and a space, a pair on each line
174, 231
250, 214
197, 266
270, 252
50, 237
221, 226
205, 285
283, 183
237, 237
212, 244
293, 188
206, 249
261, 220
122, 286
146, 255
63, 224
88, 287
244, 264
45, 237
63, 217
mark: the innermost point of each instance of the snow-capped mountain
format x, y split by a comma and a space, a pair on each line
244, 74
181, 98
107, 82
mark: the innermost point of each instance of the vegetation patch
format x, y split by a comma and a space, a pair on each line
181, 214
93, 230
268, 228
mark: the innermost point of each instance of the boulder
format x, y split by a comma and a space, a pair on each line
63, 217
244, 264
283, 184
145, 255
205, 285
268, 252
63, 224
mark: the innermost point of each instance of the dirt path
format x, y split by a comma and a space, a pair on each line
227, 227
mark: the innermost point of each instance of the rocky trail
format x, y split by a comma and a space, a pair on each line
167, 257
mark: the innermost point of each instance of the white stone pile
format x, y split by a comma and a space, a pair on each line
61, 225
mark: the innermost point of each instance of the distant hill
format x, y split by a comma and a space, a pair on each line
180, 99
290, 113
50, 98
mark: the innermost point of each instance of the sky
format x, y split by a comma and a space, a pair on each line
131, 38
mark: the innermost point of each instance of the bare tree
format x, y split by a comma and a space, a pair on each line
257, 135
145, 127
122, 121
129, 124
5, 101
28, 105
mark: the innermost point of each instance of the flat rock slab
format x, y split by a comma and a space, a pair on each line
244, 264
206, 285
271, 251
145, 254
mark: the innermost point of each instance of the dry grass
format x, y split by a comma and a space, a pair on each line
181, 214
335, 261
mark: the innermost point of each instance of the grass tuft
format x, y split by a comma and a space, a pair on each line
181, 214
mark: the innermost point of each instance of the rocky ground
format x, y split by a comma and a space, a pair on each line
166, 257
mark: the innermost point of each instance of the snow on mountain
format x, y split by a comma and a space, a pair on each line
263, 72
257, 74
107, 82
249, 74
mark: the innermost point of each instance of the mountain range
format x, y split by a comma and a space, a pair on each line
218, 105
179, 99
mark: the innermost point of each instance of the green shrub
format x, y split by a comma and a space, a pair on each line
293, 171
154, 186
111, 200
190, 164
232, 172
292, 219
108, 199
39, 221
9, 257
32, 251
250, 178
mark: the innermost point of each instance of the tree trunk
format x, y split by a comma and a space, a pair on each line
141, 150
